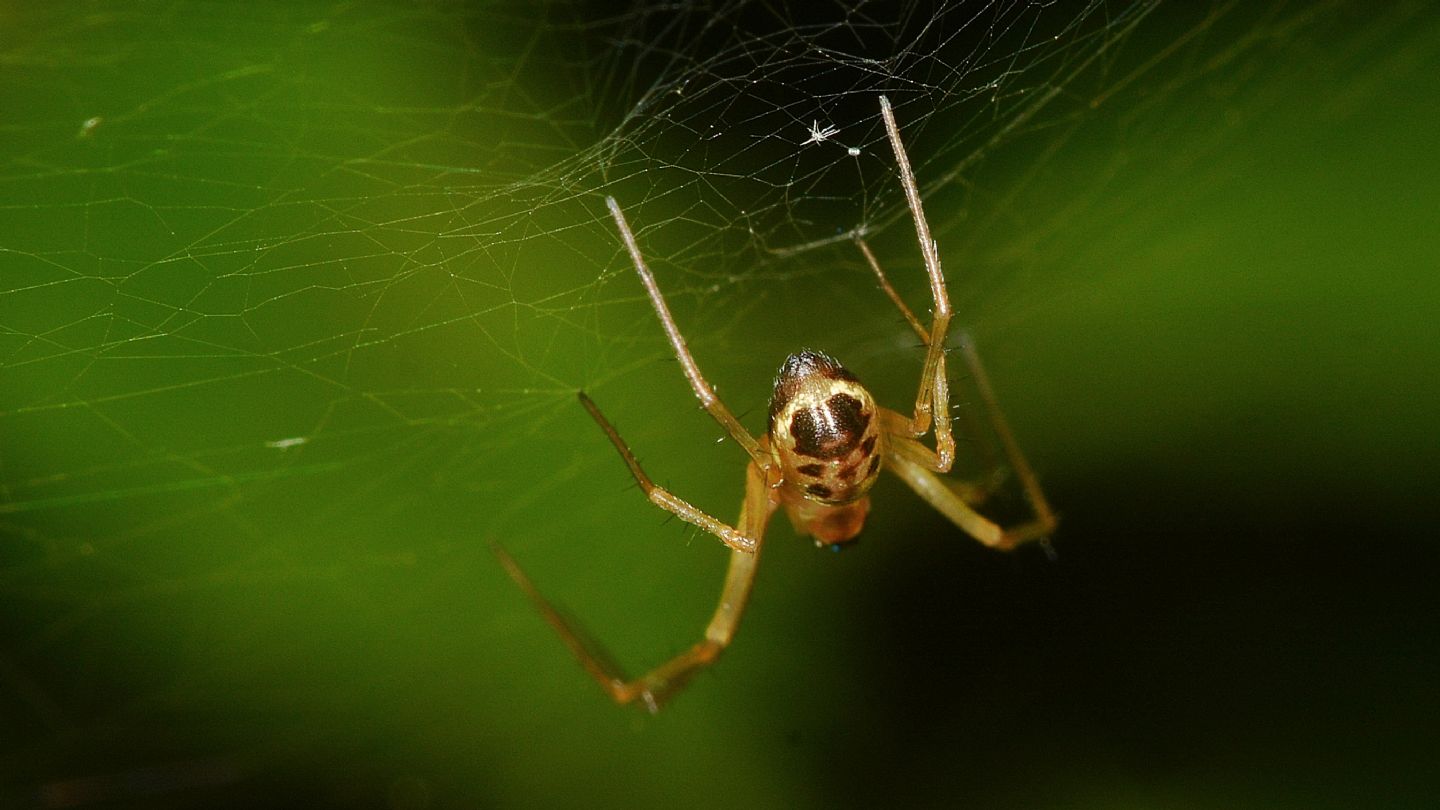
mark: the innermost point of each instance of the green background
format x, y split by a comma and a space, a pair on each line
293, 328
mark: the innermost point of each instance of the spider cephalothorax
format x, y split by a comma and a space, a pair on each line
821, 452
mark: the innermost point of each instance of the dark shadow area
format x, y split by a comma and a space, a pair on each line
1284, 648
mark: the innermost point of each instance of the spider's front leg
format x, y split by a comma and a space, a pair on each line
913, 461
932, 401
934, 384
709, 400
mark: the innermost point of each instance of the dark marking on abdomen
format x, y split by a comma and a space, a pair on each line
830, 430
819, 490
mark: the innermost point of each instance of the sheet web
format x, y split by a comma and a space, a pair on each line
242, 225
276, 284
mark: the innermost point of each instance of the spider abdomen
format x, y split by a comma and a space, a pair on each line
823, 430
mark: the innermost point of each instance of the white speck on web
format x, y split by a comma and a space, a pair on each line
819, 135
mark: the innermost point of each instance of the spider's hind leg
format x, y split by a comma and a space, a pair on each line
913, 462
992, 472
1045, 519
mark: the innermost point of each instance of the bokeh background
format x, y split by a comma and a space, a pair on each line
295, 297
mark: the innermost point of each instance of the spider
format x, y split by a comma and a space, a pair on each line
826, 442
819, 134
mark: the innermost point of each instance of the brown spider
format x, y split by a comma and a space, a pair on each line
825, 443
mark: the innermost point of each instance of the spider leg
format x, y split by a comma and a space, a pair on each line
983, 488
889, 290
708, 399
737, 540
910, 460
937, 493
952, 505
932, 401
1045, 519
664, 681
915, 462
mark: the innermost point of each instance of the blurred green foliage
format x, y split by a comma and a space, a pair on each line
294, 301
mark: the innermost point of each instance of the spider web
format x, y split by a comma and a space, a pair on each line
295, 300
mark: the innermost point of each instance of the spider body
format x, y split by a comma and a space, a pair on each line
824, 436
825, 443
